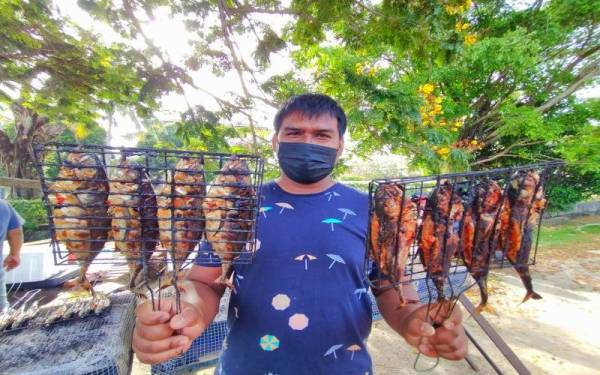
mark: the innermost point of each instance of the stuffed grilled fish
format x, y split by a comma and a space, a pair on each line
392, 232
80, 212
228, 210
132, 207
180, 218
527, 201
440, 234
478, 229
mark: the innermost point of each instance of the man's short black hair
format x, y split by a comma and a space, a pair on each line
312, 105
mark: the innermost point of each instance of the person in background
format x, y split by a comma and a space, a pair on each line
11, 229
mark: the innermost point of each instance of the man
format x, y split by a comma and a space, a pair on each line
298, 308
10, 229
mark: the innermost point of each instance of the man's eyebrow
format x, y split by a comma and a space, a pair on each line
290, 127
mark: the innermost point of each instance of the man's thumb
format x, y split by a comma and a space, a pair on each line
188, 317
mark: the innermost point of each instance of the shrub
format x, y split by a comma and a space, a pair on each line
33, 211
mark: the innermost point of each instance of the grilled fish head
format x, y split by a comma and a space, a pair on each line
388, 200
490, 196
189, 171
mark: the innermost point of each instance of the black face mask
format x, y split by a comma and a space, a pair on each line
306, 163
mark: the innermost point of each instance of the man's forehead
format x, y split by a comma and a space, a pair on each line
299, 119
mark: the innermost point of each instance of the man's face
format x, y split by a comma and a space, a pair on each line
320, 130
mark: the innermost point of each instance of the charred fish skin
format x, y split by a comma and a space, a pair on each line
228, 211
392, 232
79, 209
478, 229
133, 207
527, 199
440, 234
384, 225
185, 203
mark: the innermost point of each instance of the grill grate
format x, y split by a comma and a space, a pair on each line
148, 207
439, 211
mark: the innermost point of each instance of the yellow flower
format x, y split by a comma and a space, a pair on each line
443, 151
451, 10
427, 88
470, 39
358, 68
438, 100
458, 123
80, 132
443, 122
461, 26
372, 72
468, 4
474, 142
437, 108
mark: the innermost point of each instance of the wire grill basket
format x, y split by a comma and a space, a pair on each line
434, 227
148, 207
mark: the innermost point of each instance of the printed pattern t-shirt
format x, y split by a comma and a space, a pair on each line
301, 306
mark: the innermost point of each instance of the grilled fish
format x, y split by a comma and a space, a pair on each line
228, 209
6, 318
392, 232
440, 234
185, 203
527, 200
25, 315
478, 228
80, 210
132, 207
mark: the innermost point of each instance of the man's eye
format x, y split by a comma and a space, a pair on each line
324, 135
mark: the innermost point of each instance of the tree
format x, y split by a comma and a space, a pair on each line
455, 84
53, 74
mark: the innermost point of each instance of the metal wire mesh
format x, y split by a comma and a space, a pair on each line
95, 194
443, 214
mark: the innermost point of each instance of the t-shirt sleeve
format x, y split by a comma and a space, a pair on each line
206, 257
14, 219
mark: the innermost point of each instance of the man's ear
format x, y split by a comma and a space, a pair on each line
274, 143
340, 150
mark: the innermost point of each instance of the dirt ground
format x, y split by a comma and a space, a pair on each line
558, 334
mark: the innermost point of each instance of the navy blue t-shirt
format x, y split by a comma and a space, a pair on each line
301, 306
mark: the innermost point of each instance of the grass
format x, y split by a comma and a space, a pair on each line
577, 231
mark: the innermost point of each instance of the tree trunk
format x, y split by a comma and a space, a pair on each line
17, 155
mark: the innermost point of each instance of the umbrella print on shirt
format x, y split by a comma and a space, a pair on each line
360, 292
346, 212
265, 209
336, 259
352, 349
332, 221
238, 278
268, 343
332, 350
306, 258
332, 194
284, 206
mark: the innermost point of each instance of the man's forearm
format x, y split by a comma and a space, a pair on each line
388, 303
15, 241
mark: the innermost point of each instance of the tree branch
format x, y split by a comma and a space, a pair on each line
505, 152
586, 73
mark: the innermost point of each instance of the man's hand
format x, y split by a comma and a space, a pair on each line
154, 336
447, 341
12, 261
